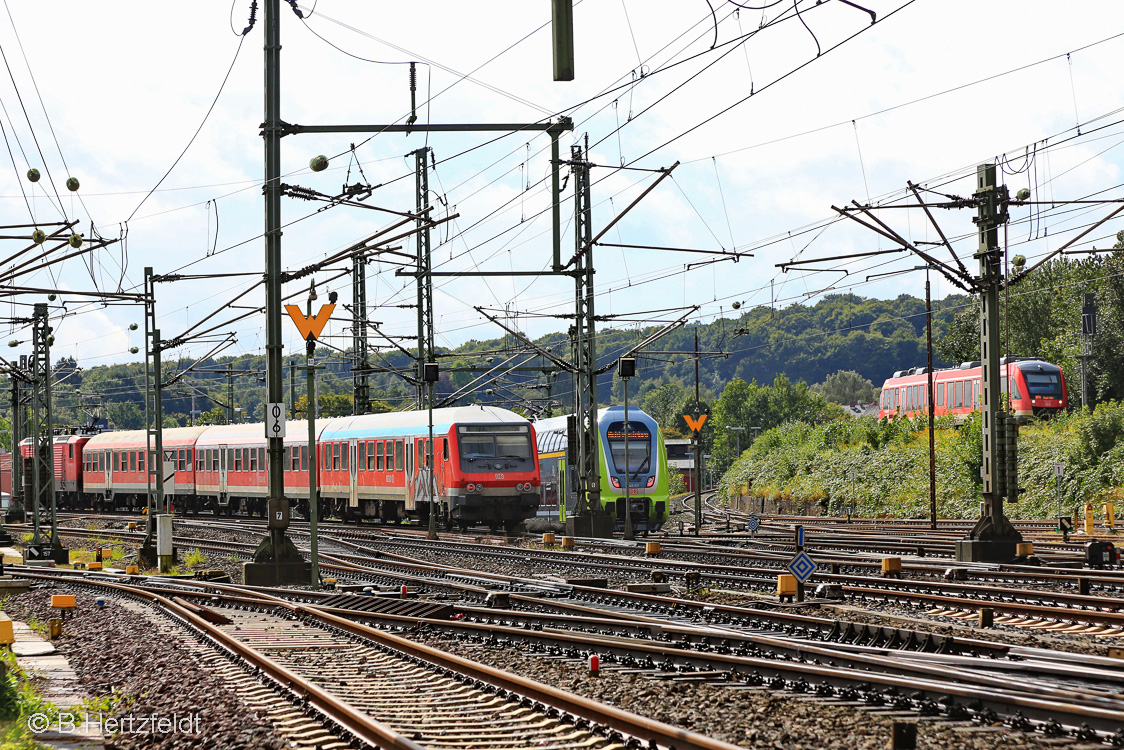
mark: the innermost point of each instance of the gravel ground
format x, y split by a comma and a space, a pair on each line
119, 652
751, 718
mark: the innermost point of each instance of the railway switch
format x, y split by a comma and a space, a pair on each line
497, 600
829, 591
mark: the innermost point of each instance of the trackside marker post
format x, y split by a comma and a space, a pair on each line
594, 665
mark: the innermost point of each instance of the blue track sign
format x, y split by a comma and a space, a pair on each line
799, 536
753, 523
802, 566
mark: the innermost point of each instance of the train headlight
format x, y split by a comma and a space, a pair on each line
615, 482
651, 482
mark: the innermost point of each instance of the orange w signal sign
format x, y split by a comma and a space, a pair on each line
310, 326
695, 423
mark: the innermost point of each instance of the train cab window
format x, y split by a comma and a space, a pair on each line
1015, 389
304, 458
975, 393
445, 448
399, 454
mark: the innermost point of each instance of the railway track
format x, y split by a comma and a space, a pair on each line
660, 636
1071, 695
380, 689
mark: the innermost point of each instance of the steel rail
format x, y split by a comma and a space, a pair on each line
346, 716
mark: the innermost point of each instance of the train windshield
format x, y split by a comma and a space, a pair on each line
500, 442
1043, 383
639, 447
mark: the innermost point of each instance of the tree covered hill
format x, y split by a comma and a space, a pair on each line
805, 343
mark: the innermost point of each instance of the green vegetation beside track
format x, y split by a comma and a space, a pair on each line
809, 467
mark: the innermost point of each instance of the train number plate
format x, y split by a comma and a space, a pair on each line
499, 476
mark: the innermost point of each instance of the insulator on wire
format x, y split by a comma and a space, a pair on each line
413, 77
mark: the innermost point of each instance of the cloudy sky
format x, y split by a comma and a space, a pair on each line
773, 116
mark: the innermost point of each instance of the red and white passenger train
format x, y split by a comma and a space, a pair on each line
1036, 388
370, 466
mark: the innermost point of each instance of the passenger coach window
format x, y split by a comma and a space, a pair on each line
379, 448
304, 458
140, 460
399, 454
940, 394
344, 449
132, 460
335, 456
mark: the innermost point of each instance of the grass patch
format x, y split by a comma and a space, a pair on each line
18, 702
194, 557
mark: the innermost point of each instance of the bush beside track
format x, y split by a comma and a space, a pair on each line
800, 467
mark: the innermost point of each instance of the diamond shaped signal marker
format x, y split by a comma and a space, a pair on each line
802, 567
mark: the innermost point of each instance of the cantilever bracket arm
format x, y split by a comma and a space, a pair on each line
673, 325
228, 341
947, 244
946, 271
561, 363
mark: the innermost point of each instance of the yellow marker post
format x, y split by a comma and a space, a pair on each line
1110, 517
1090, 520
7, 635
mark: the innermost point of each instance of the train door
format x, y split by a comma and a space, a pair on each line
411, 483
353, 475
222, 469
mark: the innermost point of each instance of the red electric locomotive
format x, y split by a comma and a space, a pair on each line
1036, 389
